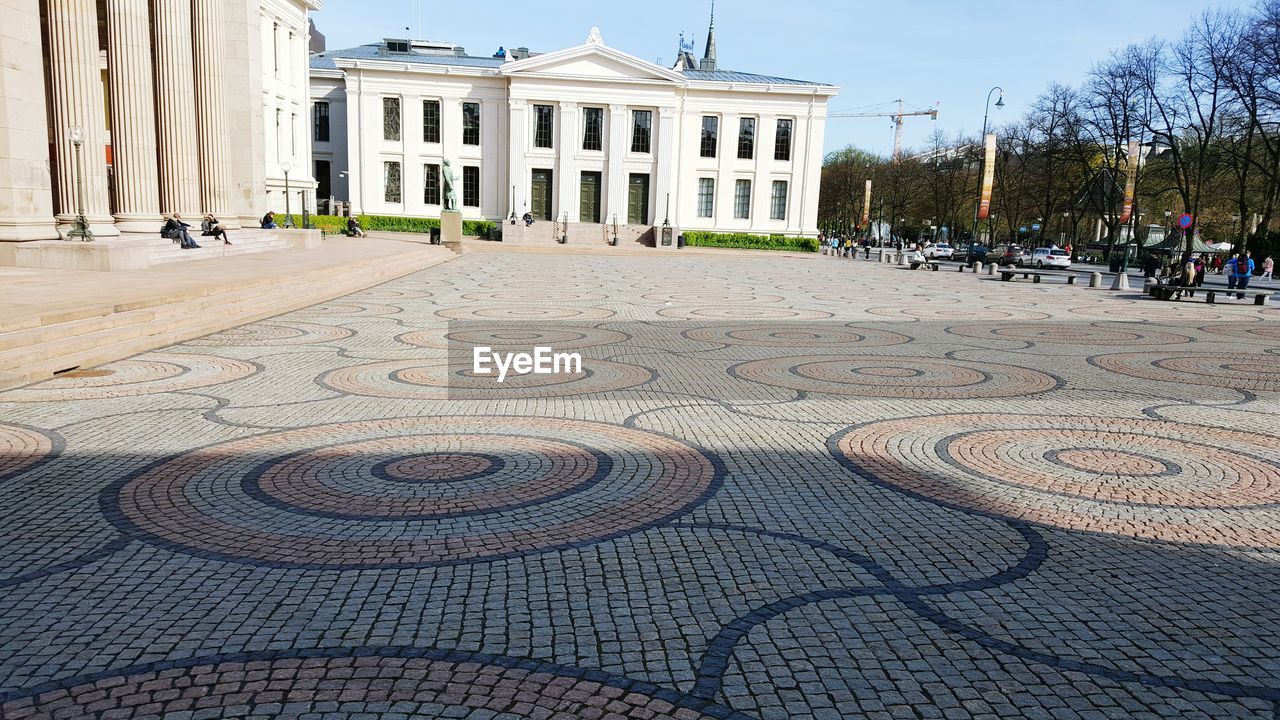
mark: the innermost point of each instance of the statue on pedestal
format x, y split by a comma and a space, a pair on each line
450, 187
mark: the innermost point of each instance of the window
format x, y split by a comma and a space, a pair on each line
782, 142
710, 128
543, 125
746, 138
471, 186
430, 121
324, 180
391, 182
397, 46
320, 113
391, 118
431, 184
593, 129
742, 199
778, 206
470, 123
641, 131
706, 197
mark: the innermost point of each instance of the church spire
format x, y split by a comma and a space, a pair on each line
709, 56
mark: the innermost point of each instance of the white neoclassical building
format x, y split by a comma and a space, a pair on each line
586, 137
136, 109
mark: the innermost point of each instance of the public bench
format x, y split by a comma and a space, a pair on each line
1166, 293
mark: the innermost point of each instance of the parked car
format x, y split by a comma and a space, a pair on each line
1006, 254
939, 251
1050, 257
970, 253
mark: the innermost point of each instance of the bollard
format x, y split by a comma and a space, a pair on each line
977, 268
1121, 281
960, 268
1095, 280
991, 269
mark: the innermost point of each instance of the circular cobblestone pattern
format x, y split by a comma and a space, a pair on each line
1230, 371
144, 375
412, 492
1137, 477
895, 377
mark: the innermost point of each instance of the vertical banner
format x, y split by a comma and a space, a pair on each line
866, 206
988, 177
1131, 183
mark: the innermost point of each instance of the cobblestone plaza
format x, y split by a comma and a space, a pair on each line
784, 487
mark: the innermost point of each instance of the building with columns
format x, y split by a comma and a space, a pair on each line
178, 106
588, 137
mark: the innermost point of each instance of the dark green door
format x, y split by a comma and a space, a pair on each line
590, 198
540, 195
638, 199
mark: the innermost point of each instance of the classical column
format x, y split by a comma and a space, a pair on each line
518, 143
242, 89
616, 184
133, 125
176, 109
211, 111
667, 184
26, 189
568, 181
76, 90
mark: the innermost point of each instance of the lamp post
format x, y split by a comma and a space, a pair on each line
288, 216
986, 115
513, 205
80, 227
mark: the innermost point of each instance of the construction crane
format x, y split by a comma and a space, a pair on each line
897, 121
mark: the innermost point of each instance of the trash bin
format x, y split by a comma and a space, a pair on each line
435, 236
680, 241
495, 233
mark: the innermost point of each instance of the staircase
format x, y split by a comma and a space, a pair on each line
547, 233
248, 240
36, 348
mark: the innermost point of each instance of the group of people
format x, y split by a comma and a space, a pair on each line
1191, 270
178, 231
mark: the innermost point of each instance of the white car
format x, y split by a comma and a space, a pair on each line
1050, 257
941, 251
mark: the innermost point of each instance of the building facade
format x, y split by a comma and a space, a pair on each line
135, 109
589, 135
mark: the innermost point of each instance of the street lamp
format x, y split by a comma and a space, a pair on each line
513, 205
288, 216
986, 115
80, 227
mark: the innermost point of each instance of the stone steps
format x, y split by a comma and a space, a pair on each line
162, 251
36, 353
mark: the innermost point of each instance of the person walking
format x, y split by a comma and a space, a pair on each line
1268, 268
176, 230
210, 227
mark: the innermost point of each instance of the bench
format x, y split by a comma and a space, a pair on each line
1161, 291
1007, 275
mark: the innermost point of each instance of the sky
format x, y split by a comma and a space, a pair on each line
922, 51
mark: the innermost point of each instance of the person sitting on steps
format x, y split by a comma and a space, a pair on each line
211, 227
269, 221
354, 229
176, 230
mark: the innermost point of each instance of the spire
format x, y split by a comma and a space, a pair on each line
709, 57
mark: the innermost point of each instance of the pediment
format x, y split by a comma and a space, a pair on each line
592, 62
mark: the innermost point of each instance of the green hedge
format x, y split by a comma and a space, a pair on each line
390, 223
751, 242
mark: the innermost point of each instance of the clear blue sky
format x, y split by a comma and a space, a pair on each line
922, 51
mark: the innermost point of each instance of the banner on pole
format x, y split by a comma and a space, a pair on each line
1131, 183
988, 177
866, 206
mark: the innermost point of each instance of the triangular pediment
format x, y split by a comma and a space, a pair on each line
592, 62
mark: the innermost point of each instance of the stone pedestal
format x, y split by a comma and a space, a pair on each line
666, 238
450, 227
102, 256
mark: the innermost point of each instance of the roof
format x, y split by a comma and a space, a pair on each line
376, 51
741, 77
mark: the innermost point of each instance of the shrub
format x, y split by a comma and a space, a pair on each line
391, 223
751, 242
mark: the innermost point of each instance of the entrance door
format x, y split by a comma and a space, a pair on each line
590, 198
540, 195
638, 199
